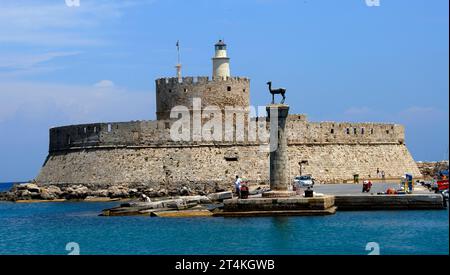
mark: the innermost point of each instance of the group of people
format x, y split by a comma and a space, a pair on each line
241, 188
380, 174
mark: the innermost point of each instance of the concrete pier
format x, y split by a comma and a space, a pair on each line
389, 202
291, 206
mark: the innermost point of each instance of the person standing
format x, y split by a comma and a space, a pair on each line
237, 185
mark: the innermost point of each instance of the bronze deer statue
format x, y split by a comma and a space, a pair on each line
280, 91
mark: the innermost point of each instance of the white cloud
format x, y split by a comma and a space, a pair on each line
73, 104
41, 23
104, 84
14, 64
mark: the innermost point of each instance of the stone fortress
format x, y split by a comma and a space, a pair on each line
142, 153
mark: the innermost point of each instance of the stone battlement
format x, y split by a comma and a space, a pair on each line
157, 133
220, 92
170, 81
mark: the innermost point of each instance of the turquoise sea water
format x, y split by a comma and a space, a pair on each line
46, 228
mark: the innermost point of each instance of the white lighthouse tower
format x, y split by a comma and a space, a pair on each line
221, 63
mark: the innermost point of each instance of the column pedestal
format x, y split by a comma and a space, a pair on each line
279, 157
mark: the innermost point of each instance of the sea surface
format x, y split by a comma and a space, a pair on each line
47, 228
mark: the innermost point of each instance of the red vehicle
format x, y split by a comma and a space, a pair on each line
441, 181
442, 185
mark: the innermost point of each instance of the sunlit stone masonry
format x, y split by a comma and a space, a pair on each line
143, 153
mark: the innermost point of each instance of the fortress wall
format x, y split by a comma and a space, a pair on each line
75, 136
195, 166
96, 134
339, 162
141, 152
231, 91
167, 168
302, 131
146, 133
120, 133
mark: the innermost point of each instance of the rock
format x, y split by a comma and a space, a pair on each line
197, 199
134, 192
50, 192
173, 192
24, 194
220, 196
118, 192
31, 187
20, 187
102, 193
162, 193
47, 196
259, 190
185, 191
76, 192
177, 204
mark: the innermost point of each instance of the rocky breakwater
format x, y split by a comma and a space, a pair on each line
431, 169
33, 191
181, 206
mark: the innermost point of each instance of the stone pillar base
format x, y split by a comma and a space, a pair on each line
279, 194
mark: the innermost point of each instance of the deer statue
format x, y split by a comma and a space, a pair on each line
280, 91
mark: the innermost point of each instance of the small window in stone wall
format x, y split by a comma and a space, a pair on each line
185, 90
354, 131
348, 131
387, 131
170, 90
244, 90
231, 158
85, 130
362, 131
95, 129
371, 131
167, 125
332, 131
229, 88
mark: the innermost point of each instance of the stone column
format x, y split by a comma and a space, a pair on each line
279, 157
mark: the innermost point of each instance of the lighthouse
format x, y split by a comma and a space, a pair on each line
221, 62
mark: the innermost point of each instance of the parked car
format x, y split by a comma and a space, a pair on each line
445, 194
303, 181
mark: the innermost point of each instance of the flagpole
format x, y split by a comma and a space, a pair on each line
178, 66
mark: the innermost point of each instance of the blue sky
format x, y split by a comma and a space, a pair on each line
339, 60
